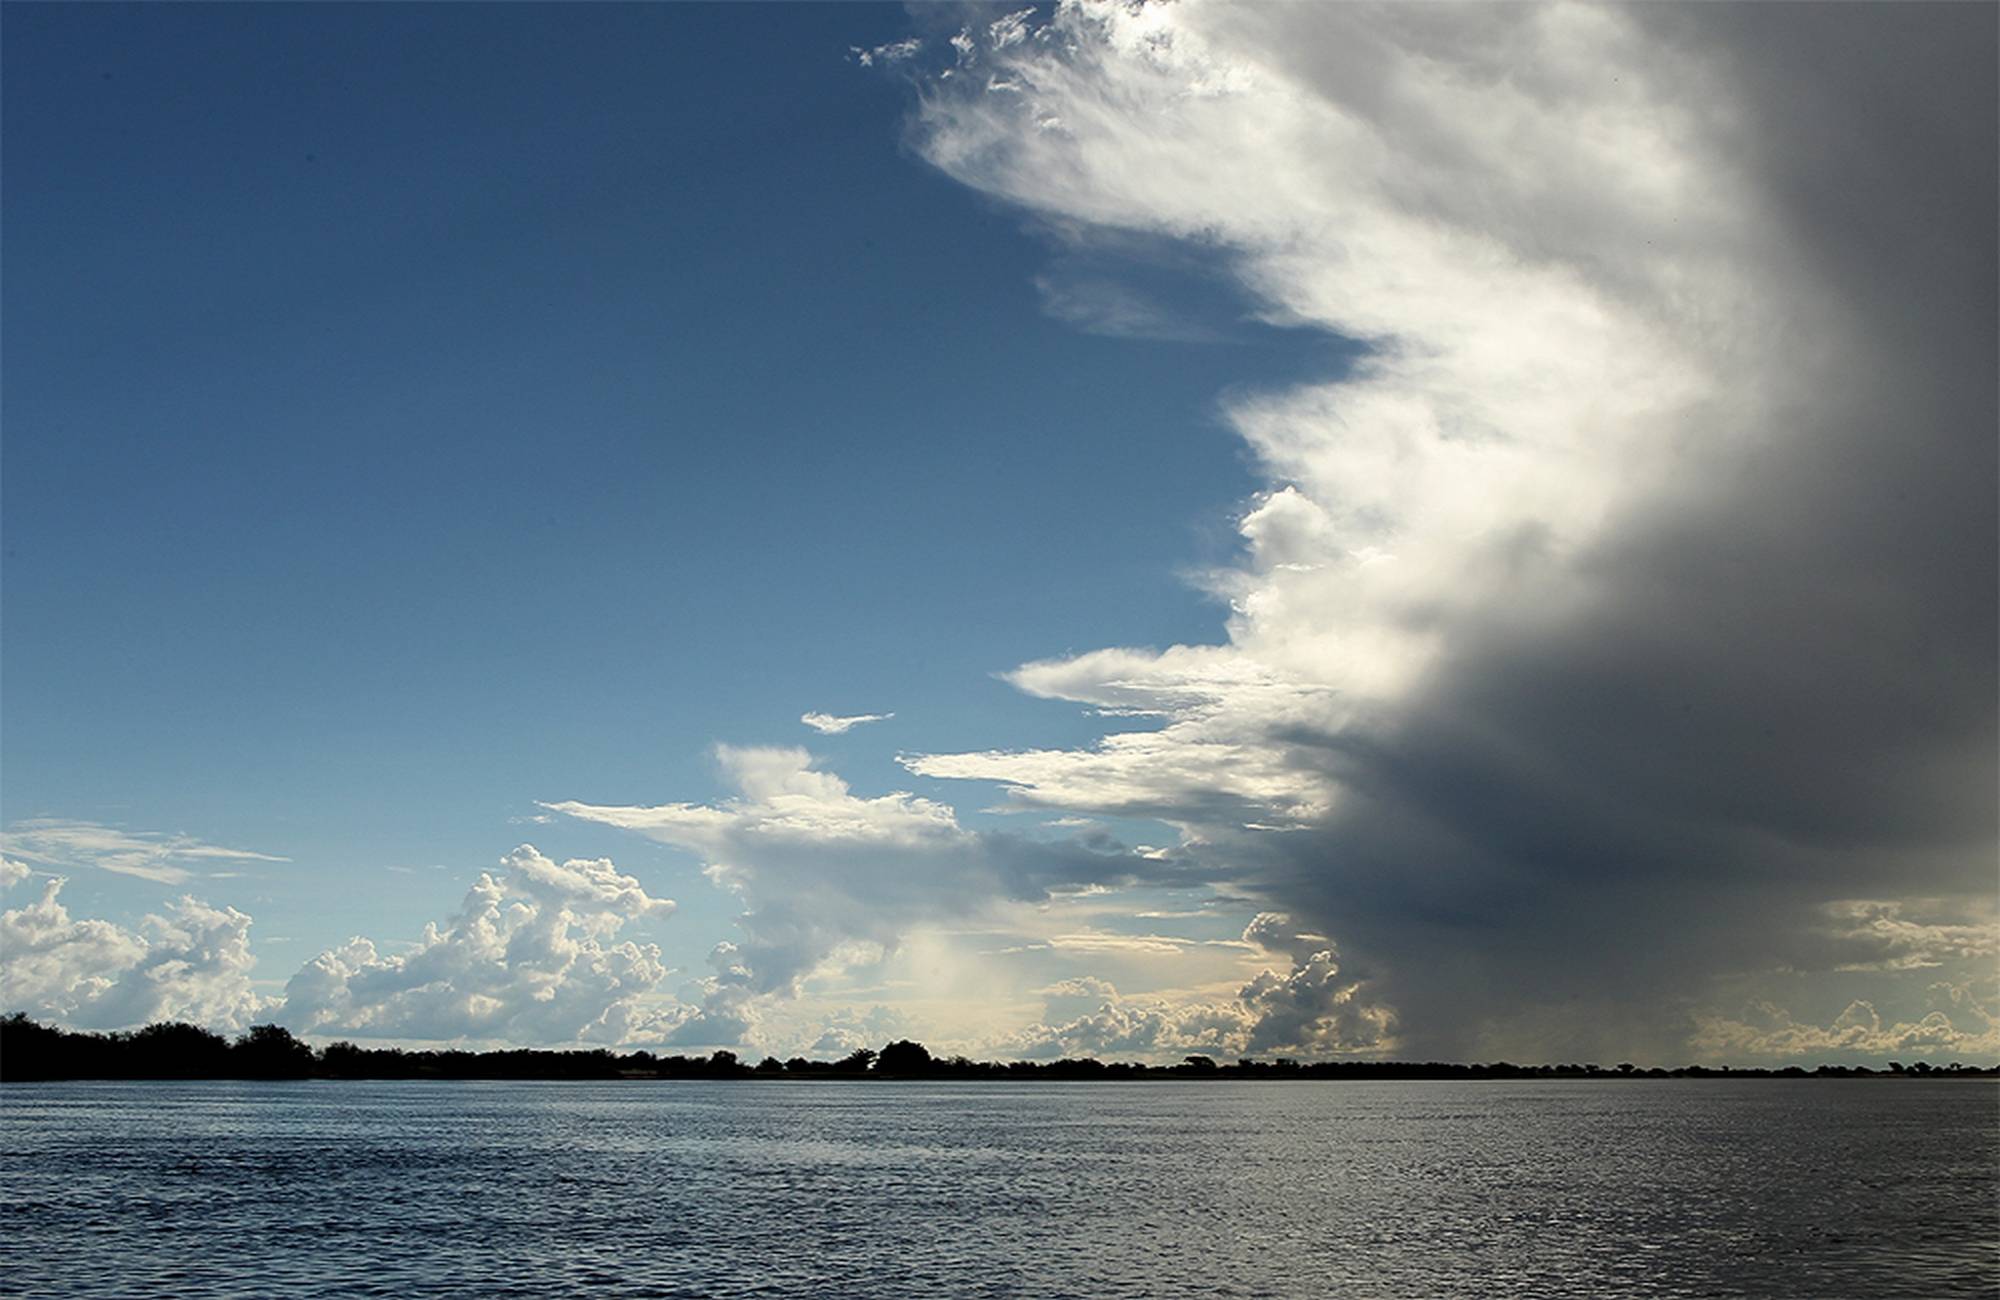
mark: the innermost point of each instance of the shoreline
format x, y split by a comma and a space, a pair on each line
34, 1053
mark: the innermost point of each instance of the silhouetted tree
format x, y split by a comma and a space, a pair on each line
343, 1060
30, 1051
904, 1058
270, 1052
176, 1051
856, 1061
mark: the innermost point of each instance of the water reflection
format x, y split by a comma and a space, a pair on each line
1765, 1188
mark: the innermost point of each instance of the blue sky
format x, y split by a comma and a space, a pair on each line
417, 415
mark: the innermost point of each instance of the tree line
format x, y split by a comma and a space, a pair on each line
31, 1051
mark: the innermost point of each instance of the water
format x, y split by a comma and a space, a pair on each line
1638, 1188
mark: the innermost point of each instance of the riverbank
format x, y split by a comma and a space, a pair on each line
30, 1051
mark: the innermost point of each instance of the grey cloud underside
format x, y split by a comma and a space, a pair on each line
1780, 689
1767, 684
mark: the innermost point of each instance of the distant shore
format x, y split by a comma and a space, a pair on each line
33, 1052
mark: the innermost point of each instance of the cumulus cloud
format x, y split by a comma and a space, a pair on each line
190, 963
166, 859
1121, 1028
1959, 1026
831, 879
532, 957
1318, 1008
1313, 1010
827, 724
1632, 602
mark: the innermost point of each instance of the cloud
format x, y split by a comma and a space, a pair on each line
1314, 1010
1908, 935
532, 957
832, 880
890, 53
1125, 1029
12, 873
1104, 306
1960, 1027
1111, 943
166, 859
1317, 1009
1632, 603
848, 1029
829, 725
191, 963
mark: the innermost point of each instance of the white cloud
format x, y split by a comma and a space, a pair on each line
829, 725
1103, 942
1128, 1029
890, 53
12, 873
191, 963
166, 859
1511, 398
1104, 306
531, 958
832, 880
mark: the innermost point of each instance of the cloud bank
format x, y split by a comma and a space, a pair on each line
1631, 604
192, 962
531, 957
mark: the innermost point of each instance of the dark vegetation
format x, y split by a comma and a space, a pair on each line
30, 1051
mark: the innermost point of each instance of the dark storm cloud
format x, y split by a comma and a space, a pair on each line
1765, 688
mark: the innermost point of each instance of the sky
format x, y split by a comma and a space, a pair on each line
1130, 530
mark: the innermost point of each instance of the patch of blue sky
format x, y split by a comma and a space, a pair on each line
417, 412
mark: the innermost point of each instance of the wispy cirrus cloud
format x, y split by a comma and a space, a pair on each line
168, 859
1109, 307
828, 724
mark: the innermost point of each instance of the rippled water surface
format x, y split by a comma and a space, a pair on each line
1647, 1188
